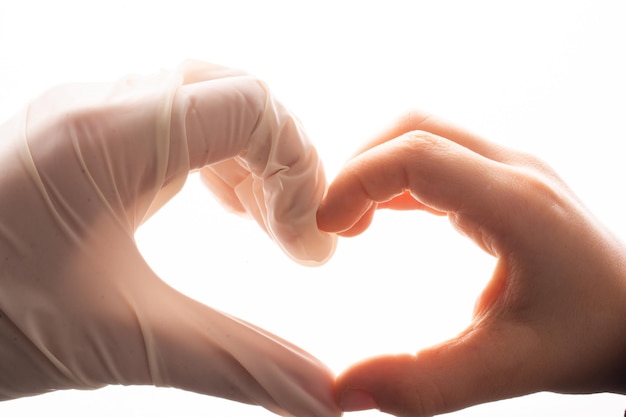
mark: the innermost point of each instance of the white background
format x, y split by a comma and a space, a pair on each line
546, 77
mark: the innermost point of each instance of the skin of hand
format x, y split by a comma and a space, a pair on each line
81, 168
553, 315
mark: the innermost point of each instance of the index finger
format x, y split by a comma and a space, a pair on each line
382, 168
418, 120
440, 174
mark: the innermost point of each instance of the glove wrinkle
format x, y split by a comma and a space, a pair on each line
288, 185
29, 165
17, 384
172, 170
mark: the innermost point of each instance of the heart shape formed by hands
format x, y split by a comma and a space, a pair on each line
83, 166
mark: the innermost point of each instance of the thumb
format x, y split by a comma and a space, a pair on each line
483, 364
193, 347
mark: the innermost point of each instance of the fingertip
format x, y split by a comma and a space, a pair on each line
337, 214
384, 383
311, 247
326, 216
362, 224
355, 399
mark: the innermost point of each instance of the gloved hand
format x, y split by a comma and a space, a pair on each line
81, 168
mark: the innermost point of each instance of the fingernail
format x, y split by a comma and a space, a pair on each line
357, 400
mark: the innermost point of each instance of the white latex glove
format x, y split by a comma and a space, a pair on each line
80, 169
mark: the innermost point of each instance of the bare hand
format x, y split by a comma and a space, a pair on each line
552, 317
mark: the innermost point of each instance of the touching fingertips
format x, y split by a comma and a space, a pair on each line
353, 399
342, 212
325, 220
333, 219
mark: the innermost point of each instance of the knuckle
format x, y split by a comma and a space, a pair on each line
534, 162
421, 143
413, 119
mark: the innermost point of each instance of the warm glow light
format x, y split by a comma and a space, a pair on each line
545, 77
